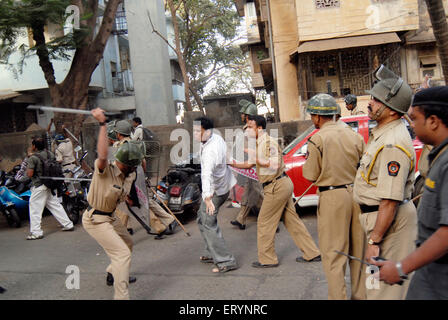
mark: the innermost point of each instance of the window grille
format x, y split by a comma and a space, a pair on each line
321, 4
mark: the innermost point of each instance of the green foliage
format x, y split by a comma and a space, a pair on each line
208, 31
17, 18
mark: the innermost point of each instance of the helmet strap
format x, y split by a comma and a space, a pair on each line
377, 114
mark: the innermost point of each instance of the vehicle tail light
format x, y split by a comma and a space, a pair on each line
162, 189
175, 191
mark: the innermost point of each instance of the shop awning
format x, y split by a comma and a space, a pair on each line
8, 94
348, 42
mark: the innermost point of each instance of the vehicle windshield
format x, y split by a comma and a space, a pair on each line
298, 139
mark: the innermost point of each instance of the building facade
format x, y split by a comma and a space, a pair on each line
337, 46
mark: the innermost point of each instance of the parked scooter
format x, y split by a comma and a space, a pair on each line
14, 205
180, 189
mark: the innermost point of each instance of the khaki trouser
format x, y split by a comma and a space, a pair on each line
110, 234
252, 196
339, 229
278, 203
398, 242
159, 219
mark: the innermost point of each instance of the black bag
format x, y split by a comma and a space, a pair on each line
148, 135
51, 168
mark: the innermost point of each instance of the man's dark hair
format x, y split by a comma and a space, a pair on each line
38, 143
206, 123
137, 120
440, 112
260, 121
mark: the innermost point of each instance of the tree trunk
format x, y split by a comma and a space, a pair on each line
180, 55
73, 91
440, 28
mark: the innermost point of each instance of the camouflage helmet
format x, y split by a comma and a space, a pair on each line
244, 104
111, 134
391, 90
351, 99
251, 110
323, 104
130, 153
123, 127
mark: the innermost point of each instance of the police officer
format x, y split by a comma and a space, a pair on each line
160, 221
277, 202
64, 154
252, 195
333, 156
350, 104
385, 180
111, 183
429, 113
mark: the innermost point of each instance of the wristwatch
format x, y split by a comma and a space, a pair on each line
371, 242
403, 276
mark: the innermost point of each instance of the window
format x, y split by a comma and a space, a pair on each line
322, 4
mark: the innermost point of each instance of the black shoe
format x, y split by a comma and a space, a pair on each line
239, 225
171, 227
110, 279
2, 290
131, 231
315, 259
257, 264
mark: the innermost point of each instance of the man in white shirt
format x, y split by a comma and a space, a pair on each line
217, 180
138, 129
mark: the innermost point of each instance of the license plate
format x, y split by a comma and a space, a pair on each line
161, 195
176, 200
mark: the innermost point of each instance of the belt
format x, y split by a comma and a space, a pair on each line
103, 213
366, 209
279, 177
67, 164
322, 189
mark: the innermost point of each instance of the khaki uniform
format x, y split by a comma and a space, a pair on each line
106, 190
387, 172
64, 155
122, 210
333, 156
253, 193
423, 162
278, 203
159, 219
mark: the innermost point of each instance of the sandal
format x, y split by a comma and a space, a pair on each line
205, 259
223, 269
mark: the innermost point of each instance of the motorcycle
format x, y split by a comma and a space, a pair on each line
74, 194
180, 188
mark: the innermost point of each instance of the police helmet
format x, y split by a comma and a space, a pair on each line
244, 104
391, 90
111, 134
130, 153
59, 137
123, 127
351, 99
323, 104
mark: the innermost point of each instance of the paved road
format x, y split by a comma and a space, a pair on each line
166, 269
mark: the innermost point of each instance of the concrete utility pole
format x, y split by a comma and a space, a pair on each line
150, 62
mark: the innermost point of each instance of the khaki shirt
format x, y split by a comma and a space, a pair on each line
423, 162
109, 187
333, 155
268, 149
64, 152
392, 173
